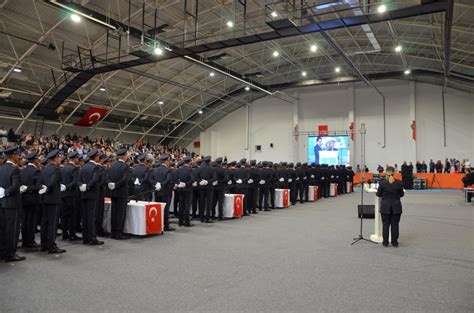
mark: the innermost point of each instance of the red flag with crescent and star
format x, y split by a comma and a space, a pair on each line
315, 193
154, 224
285, 197
238, 205
92, 116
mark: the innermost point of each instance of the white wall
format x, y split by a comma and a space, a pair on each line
272, 120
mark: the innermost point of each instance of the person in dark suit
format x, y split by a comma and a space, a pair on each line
101, 186
205, 178
390, 190
186, 178
218, 187
468, 180
69, 177
140, 178
162, 179
10, 205
50, 192
318, 147
241, 176
117, 181
89, 180
254, 178
30, 176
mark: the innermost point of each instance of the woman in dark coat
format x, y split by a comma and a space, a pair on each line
390, 190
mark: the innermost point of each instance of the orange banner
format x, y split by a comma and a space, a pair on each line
443, 181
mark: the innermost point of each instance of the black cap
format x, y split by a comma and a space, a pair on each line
290, 164
187, 159
213, 164
121, 152
218, 160
284, 164
207, 159
63, 158
264, 163
298, 164
10, 150
180, 163
73, 155
141, 157
164, 157
92, 154
270, 163
31, 156
253, 162
172, 163
233, 163
199, 162
102, 156
52, 154
44, 161
243, 161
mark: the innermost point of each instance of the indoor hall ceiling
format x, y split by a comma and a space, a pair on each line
163, 99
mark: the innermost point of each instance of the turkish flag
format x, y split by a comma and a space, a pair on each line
238, 205
413, 130
286, 197
323, 130
154, 224
315, 193
92, 116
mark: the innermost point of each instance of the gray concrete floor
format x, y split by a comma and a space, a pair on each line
292, 260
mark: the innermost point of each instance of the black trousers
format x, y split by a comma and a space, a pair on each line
49, 225
28, 224
305, 190
263, 197
176, 203
390, 221
9, 226
89, 207
67, 212
324, 188
117, 215
272, 196
300, 190
253, 198
166, 198
218, 199
184, 206
99, 214
196, 202
205, 204
293, 192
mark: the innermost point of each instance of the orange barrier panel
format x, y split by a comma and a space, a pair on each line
444, 181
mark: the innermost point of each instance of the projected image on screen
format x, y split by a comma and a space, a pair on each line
332, 150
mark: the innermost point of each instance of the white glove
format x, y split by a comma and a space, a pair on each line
214, 183
250, 181
63, 188
304, 177
312, 176
158, 186
111, 186
137, 182
262, 182
83, 188
229, 182
290, 180
239, 181
282, 179
43, 190
195, 184
332, 176
23, 188
297, 178
181, 185
2, 192
322, 178
203, 182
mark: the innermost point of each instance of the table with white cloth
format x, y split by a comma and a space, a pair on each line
233, 205
333, 190
312, 193
349, 187
282, 198
142, 218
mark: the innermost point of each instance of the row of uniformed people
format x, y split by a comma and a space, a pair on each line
67, 188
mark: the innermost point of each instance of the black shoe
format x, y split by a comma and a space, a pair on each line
75, 238
121, 237
95, 243
85, 242
221, 218
32, 245
209, 221
188, 225
254, 212
246, 214
385, 245
268, 210
100, 233
395, 245
44, 249
66, 237
56, 250
14, 258
169, 229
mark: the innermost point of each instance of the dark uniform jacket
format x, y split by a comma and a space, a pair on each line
206, 172
390, 194
51, 178
119, 174
164, 176
69, 178
142, 172
222, 177
10, 181
89, 175
30, 176
243, 174
186, 175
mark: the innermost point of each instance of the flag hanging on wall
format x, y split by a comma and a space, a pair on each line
323, 130
413, 130
352, 127
92, 116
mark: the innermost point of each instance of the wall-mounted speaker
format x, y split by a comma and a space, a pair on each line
258, 147
271, 145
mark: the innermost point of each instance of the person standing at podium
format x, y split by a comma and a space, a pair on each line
390, 190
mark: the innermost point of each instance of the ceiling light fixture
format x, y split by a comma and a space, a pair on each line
314, 48
382, 8
102, 88
274, 14
160, 102
212, 74
17, 70
230, 24
303, 73
337, 69
407, 71
276, 54
75, 18
200, 112
398, 48
247, 88
158, 51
